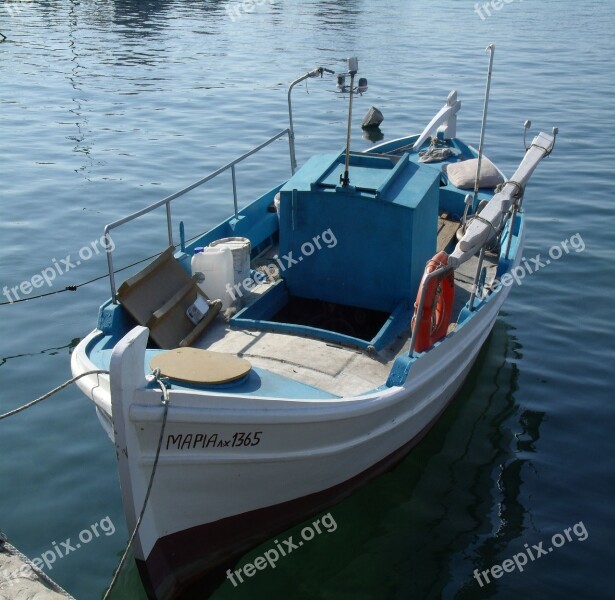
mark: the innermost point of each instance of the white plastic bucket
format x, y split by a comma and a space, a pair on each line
240, 248
215, 264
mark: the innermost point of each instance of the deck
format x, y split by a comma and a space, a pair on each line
336, 369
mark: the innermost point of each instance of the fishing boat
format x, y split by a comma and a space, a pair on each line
263, 371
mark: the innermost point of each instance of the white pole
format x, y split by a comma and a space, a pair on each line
346, 176
484, 123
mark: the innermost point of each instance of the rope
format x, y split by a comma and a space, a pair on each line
518, 194
74, 288
483, 220
547, 151
165, 402
8, 548
52, 392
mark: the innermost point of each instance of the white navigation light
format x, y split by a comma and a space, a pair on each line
526, 127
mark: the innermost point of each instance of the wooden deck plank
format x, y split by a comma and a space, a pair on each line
446, 232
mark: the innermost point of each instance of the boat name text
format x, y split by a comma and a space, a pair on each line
190, 441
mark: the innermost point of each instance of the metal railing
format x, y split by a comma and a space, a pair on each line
109, 246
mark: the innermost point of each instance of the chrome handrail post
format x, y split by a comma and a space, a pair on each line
481, 257
291, 149
169, 224
291, 131
234, 178
109, 251
291, 126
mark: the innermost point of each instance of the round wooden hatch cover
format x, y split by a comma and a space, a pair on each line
193, 365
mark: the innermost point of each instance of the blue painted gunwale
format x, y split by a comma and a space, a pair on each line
259, 382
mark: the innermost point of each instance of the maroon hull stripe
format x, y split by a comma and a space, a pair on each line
206, 551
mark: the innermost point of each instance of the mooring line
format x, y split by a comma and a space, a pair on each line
52, 392
165, 402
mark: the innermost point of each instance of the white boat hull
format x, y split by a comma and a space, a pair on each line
214, 497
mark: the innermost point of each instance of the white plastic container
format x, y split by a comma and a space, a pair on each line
240, 248
215, 266
195, 260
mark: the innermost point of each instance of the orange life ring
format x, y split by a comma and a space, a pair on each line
437, 307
